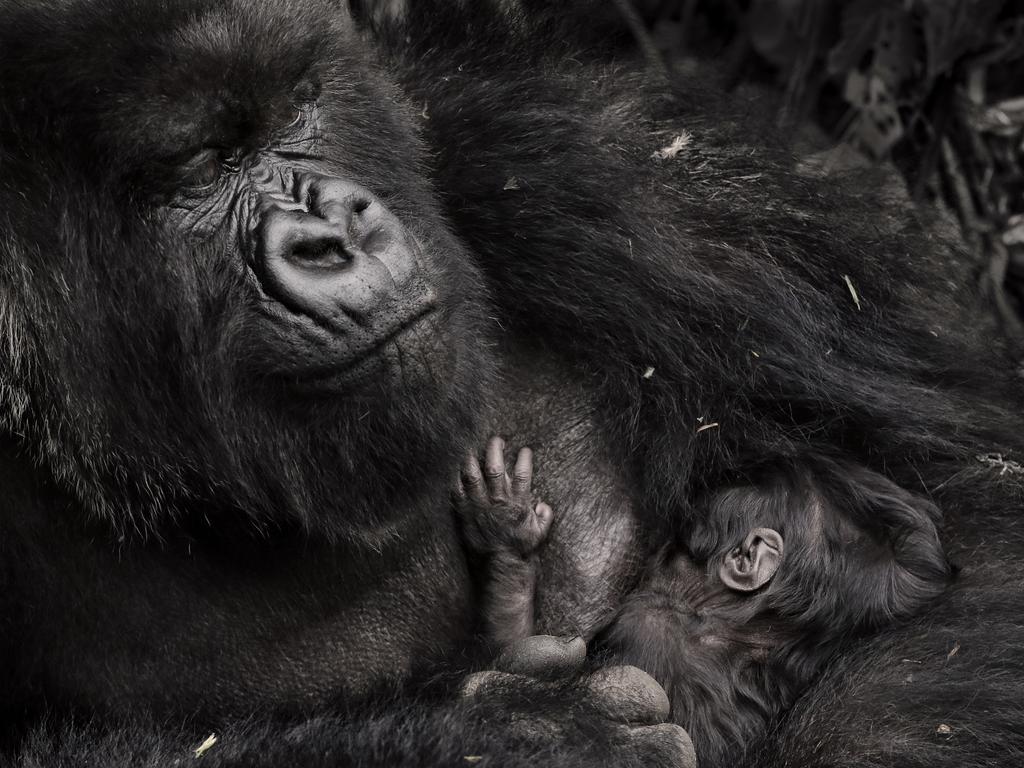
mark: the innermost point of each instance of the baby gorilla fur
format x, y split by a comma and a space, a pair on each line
735, 620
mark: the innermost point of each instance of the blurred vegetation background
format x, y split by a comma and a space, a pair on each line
934, 87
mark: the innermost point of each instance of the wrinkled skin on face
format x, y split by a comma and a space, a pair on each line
292, 283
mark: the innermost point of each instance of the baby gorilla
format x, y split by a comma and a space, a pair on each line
735, 620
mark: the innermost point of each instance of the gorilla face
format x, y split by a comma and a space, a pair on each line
219, 289
347, 292
335, 258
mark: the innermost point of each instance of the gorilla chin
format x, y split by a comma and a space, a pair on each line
406, 359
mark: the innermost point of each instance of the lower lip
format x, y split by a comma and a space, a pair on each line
326, 378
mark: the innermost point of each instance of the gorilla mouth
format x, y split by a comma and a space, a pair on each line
364, 361
407, 325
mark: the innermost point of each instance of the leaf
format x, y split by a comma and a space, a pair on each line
897, 52
878, 125
878, 39
208, 742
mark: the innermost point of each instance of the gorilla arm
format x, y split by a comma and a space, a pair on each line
514, 715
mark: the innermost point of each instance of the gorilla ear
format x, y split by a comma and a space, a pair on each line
752, 564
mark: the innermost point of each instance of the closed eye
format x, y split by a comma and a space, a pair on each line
203, 170
206, 168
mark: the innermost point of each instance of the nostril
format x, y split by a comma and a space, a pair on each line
321, 253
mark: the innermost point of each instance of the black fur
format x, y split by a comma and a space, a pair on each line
908, 378
860, 555
183, 533
148, 379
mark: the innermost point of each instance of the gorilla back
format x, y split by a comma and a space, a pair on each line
258, 276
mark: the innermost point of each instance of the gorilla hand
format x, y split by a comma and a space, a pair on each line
618, 710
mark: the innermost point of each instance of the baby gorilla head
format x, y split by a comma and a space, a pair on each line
736, 622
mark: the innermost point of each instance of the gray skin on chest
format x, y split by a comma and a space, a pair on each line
591, 556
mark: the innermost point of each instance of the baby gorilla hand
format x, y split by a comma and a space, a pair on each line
501, 522
497, 511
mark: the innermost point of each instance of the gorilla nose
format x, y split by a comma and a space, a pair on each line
332, 251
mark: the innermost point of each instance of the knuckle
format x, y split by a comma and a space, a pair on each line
472, 482
630, 694
669, 744
623, 678
479, 682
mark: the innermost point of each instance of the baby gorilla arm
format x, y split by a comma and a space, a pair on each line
502, 523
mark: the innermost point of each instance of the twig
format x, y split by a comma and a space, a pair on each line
998, 265
964, 201
643, 38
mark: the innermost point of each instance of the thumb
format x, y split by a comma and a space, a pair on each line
543, 656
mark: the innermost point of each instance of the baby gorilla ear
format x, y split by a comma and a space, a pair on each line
752, 564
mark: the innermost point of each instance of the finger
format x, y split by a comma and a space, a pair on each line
534, 528
473, 481
522, 473
544, 656
481, 682
665, 745
494, 470
542, 517
629, 695
458, 488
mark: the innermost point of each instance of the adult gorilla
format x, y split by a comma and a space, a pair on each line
264, 284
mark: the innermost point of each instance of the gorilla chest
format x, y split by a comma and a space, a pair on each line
187, 624
592, 554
